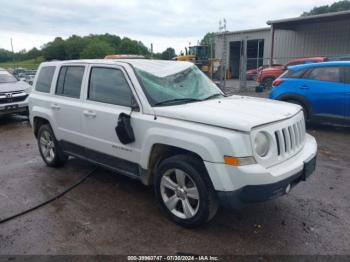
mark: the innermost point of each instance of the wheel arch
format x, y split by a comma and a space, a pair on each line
299, 98
158, 153
38, 121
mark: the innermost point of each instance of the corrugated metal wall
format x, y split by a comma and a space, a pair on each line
322, 39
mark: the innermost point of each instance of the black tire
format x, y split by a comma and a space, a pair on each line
267, 83
305, 110
58, 158
207, 204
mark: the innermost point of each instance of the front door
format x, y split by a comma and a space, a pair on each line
108, 95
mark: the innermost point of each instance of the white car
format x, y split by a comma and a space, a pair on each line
13, 95
168, 125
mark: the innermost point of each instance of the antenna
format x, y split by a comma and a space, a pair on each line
222, 25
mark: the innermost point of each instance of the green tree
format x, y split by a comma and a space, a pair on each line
209, 40
129, 46
32, 54
96, 49
74, 46
55, 50
168, 54
335, 7
5, 55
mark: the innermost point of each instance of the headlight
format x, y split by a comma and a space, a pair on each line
28, 90
261, 144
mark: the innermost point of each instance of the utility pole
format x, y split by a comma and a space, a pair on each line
151, 50
243, 69
222, 28
13, 55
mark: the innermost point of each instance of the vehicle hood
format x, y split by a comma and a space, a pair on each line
235, 112
12, 87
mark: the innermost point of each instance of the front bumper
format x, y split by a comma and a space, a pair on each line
259, 193
14, 108
237, 186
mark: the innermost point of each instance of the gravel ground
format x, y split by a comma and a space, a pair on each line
111, 214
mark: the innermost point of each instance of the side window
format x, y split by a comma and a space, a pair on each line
330, 74
109, 86
69, 81
45, 76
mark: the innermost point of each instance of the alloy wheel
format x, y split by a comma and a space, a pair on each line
47, 146
179, 193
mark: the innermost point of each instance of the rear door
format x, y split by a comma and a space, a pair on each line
324, 88
66, 107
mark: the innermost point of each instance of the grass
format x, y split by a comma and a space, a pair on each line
30, 64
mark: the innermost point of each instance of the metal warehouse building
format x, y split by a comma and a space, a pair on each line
320, 35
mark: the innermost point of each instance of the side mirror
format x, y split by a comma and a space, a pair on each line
124, 130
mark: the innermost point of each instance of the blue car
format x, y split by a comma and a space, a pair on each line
322, 89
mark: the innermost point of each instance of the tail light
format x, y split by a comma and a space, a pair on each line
277, 82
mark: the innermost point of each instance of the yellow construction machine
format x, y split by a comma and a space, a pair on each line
199, 55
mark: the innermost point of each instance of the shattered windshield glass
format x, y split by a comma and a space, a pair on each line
186, 86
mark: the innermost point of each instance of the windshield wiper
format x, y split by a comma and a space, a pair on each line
213, 96
176, 100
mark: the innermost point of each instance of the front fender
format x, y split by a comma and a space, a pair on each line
202, 146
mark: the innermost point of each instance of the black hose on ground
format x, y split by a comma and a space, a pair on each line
50, 199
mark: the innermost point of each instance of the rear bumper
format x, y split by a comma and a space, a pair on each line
259, 193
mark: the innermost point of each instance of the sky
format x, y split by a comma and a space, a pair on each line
166, 23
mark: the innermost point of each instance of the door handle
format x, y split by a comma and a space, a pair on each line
55, 107
89, 113
304, 87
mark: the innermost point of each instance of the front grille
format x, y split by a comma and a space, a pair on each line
14, 97
290, 138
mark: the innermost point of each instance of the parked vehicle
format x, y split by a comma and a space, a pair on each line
269, 74
21, 76
29, 76
13, 95
18, 71
252, 74
167, 124
322, 89
339, 58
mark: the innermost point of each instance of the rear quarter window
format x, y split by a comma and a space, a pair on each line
293, 74
43, 83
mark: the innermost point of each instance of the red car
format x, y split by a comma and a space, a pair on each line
252, 74
269, 74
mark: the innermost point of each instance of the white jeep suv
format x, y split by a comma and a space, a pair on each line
168, 125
